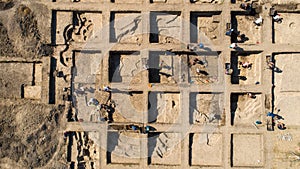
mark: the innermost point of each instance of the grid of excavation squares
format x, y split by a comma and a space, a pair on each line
164, 67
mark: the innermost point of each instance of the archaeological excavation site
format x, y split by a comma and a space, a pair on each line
162, 84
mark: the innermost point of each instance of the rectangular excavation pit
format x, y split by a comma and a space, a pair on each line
164, 149
286, 93
76, 151
85, 69
244, 74
204, 67
247, 150
205, 26
125, 27
123, 148
165, 27
205, 149
243, 22
76, 26
287, 31
164, 107
245, 110
206, 108
163, 67
131, 106
86, 65
125, 66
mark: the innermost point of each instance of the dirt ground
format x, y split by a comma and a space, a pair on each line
29, 136
287, 88
242, 156
206, 149
29, 133
285, 31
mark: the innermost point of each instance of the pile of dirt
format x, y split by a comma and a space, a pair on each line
28, 133
6, 47
6, 4
20, 32
29, 31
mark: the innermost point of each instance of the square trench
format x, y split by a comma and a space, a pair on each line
164, 67
206, 108
125, 27
205, 149
125, 67
123, 148
247, 150
245, 76
130, 106
164, 107
204, 68
286, 32
245, 111
76, 26
164, 149
243, 22
165, 27
205, 26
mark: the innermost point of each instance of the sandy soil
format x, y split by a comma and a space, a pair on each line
125, 149
126, 27
285, 32
287, 87
206, 149
165, 149
207, 108
165, 107
247, 153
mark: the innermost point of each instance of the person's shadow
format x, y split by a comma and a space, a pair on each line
277, 70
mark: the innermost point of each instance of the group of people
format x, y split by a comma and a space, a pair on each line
276, 120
